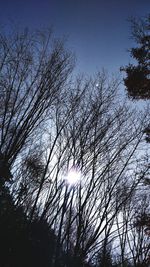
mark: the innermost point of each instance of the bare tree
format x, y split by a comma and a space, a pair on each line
33, 71
101, 139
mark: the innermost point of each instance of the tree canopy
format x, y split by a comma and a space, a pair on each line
53, 126
137, 80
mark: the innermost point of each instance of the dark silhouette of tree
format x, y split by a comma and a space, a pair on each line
137, 80
33, 71
104, 258
23, 244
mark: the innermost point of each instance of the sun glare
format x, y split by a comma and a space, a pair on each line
73, 176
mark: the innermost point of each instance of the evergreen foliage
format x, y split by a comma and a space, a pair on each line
137, 80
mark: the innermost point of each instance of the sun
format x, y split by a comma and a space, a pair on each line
73, 176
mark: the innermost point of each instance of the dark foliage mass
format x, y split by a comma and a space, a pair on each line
23, 243
137, 81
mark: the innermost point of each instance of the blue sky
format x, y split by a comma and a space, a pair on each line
98, 31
